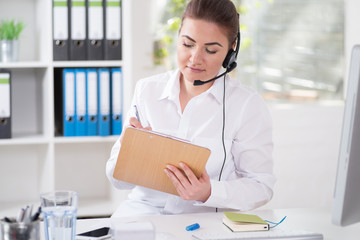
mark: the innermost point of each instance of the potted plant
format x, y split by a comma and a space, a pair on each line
9, 40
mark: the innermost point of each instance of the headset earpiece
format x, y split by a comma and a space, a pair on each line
231, 56
229, 59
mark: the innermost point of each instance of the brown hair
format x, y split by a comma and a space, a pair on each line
221, 12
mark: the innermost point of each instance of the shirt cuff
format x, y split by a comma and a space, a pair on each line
217, 197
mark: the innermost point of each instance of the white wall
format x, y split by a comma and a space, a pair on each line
306, 139
306, 136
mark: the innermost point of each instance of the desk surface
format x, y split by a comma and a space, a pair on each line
173, 226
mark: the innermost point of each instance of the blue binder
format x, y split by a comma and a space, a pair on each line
80, 102
92, 101
104, 101
68, 102
116, 101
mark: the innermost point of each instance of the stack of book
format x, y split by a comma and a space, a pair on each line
239, 222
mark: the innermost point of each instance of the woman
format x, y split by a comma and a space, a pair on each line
222, 115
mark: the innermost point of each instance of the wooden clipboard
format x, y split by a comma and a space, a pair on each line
144, 155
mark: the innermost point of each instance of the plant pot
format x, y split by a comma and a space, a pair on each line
9, 50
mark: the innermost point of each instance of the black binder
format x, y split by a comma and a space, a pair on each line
112, 48
77, 25
5, 104
60, 30
95, 29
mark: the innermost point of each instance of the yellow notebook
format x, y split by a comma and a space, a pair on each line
239, 222
144, 155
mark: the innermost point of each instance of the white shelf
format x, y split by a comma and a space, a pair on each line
25, 64
62, 64
97, 207
90, 139
34, 160
25, 139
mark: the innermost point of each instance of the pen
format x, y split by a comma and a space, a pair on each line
137, 114
36, 215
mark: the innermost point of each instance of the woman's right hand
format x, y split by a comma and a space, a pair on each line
133, 122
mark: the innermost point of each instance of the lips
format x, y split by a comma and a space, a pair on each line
195, 70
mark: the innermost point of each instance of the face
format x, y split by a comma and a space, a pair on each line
201, 49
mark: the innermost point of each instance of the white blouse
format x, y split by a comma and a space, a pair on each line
247, 179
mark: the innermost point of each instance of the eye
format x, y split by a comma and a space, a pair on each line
187, 45
211, 51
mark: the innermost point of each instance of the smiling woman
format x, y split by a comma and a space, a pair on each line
223, 115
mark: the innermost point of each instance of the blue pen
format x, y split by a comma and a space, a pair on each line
137, 114
193, 227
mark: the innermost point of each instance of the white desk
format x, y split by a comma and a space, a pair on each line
316, 220
171, 227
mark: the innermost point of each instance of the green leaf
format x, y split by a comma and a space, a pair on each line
10, 30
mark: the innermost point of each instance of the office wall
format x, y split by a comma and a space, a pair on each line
306, 146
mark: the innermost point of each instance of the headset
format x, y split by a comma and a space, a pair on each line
230, 59
229, 63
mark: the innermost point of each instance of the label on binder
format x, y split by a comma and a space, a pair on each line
78, 20
4, 95
60, 20
80, 94
95, 18
104, 93
113, 20
70, 94
116, 92
92, 93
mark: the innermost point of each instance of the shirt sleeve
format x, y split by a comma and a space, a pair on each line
251, 151
110, 165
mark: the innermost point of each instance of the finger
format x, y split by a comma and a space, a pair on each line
135, 123
177, 184
189, 173
204, 176
180, 175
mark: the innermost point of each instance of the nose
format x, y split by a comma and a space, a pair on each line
196, 56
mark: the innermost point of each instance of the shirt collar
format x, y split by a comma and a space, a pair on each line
172, 88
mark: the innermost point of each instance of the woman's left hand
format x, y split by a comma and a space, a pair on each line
189, 186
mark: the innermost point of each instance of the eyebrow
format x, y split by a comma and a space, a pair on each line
210, 43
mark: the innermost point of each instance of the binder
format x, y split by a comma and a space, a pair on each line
95, 30
92, 101
104, 101
80, 102
68, 102
144, 155
116, 101
60, 30
112, 30
5, 104
77, 30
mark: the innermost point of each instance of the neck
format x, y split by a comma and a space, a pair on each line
188, 91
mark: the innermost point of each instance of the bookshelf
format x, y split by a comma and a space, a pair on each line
34, 160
